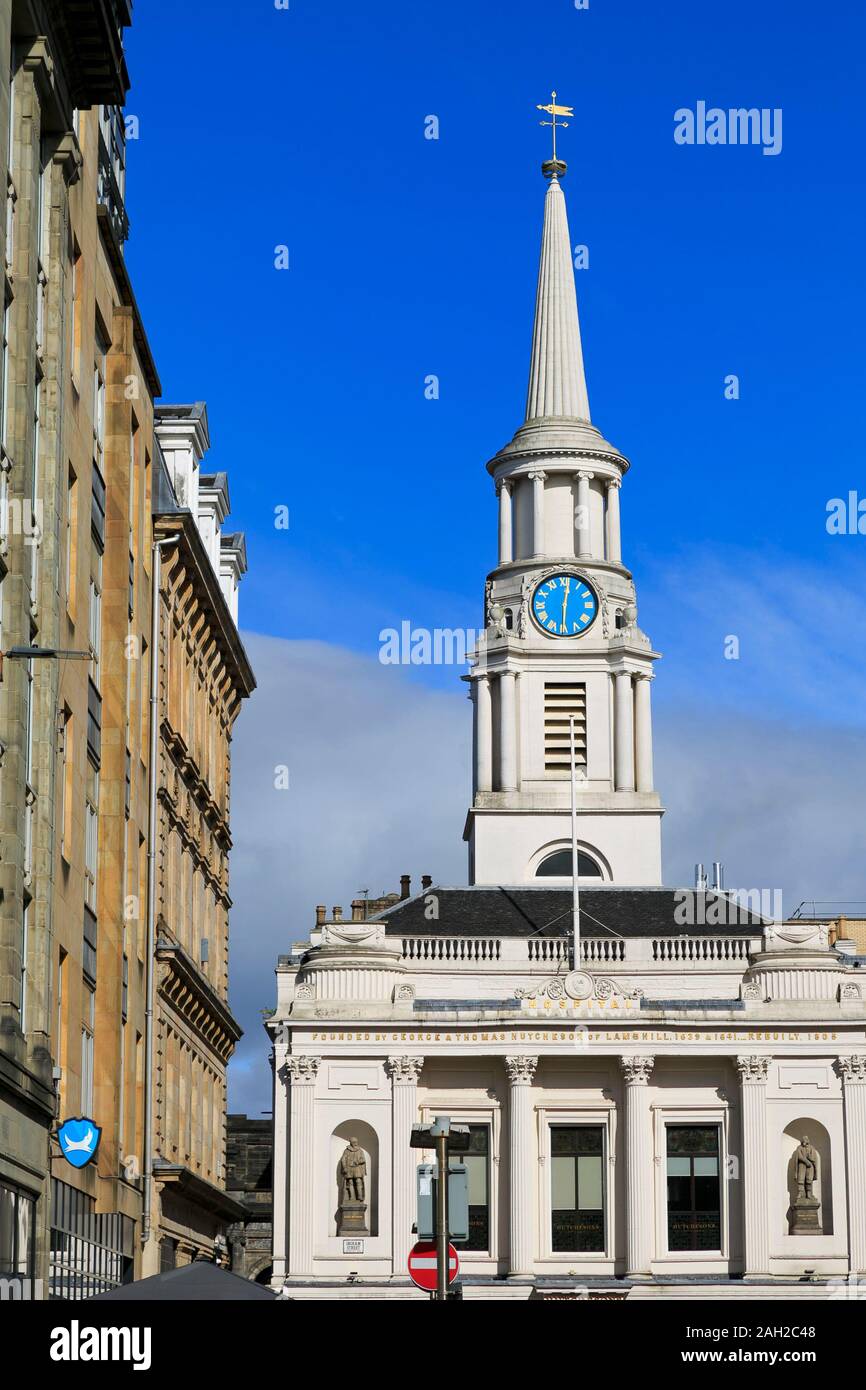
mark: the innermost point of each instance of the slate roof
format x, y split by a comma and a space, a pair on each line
522, 911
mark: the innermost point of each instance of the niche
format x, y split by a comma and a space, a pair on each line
368, 1142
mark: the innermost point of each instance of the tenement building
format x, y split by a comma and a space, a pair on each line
114, 770
669, 1101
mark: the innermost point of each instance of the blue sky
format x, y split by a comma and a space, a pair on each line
262, 127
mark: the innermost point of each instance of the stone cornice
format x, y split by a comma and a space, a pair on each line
206, 587
190, 995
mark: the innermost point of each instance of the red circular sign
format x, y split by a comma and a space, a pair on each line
422, 1265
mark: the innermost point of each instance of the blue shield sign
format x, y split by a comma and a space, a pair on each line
79, 1140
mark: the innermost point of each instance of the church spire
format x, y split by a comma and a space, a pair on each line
557, 384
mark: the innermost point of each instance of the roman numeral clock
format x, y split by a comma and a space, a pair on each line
564, 605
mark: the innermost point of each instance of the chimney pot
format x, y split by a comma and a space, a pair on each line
405, 881
700, 878
718, 874
320, 914
426, 882
337, 914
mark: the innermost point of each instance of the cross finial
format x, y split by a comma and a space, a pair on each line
553, 168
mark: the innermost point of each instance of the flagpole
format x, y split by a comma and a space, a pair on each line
575, 887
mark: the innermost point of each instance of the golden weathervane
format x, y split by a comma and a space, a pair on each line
554, 166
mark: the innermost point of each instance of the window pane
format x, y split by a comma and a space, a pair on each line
563, 1184
589, 1186
706, 1167
476, 1167
25, 1235
679, 1167
7, 1230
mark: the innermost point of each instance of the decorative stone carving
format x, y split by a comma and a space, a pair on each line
521, 1070
404, 994
637, 1070
753, 1068
851, 1069
404, 1070
804, 1219
305, 991
353, 1190
302, 1070
578, 986
850, 991
796, 936
751, 991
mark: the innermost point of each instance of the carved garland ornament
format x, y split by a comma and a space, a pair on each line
571, 987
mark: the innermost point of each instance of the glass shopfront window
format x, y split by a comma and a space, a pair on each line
694, 1188
577, 1187
477, 1162
17, 1232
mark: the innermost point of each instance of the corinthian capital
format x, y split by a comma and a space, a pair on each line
637, 1070
302, 1070
404, 1071
520, 1070
851, 1069
753, 1068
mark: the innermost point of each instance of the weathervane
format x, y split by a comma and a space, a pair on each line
553, 168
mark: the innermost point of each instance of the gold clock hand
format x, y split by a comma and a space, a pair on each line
565, 603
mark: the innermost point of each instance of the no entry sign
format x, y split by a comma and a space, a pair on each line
422, 1265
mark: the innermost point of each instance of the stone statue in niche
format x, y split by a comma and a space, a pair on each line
353, 1189
804, 1217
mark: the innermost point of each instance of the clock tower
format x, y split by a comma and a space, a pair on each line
561, 634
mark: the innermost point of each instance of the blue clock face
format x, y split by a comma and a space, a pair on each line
563, 605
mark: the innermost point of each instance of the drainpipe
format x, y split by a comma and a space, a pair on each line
156, 569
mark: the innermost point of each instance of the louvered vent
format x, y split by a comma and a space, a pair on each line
562, 699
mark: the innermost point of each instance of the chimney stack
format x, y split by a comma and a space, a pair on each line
426, 882
405, 881
337, 914
320, 915
718, 874
700, 878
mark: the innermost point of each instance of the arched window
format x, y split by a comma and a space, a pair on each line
558, 865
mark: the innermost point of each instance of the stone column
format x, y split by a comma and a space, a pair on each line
280, 1179
302, 1209
483, 734
753, 1167
404, 1073
852, 1070
506, 542
623, 732
643, 734
584, 544
507, 732
639, 1168
522, 1164
538, 477
614, 543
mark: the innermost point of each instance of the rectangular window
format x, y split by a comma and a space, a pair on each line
87, 1027
75, 324
100, 373
71, 541
562, 699
577, 1188
91, 836
17, 1238
95, 614
60, 1040
694, 1190
66, 772
477, 1162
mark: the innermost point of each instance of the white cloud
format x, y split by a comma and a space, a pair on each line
378, 786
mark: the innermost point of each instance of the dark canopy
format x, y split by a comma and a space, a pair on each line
202, 1281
